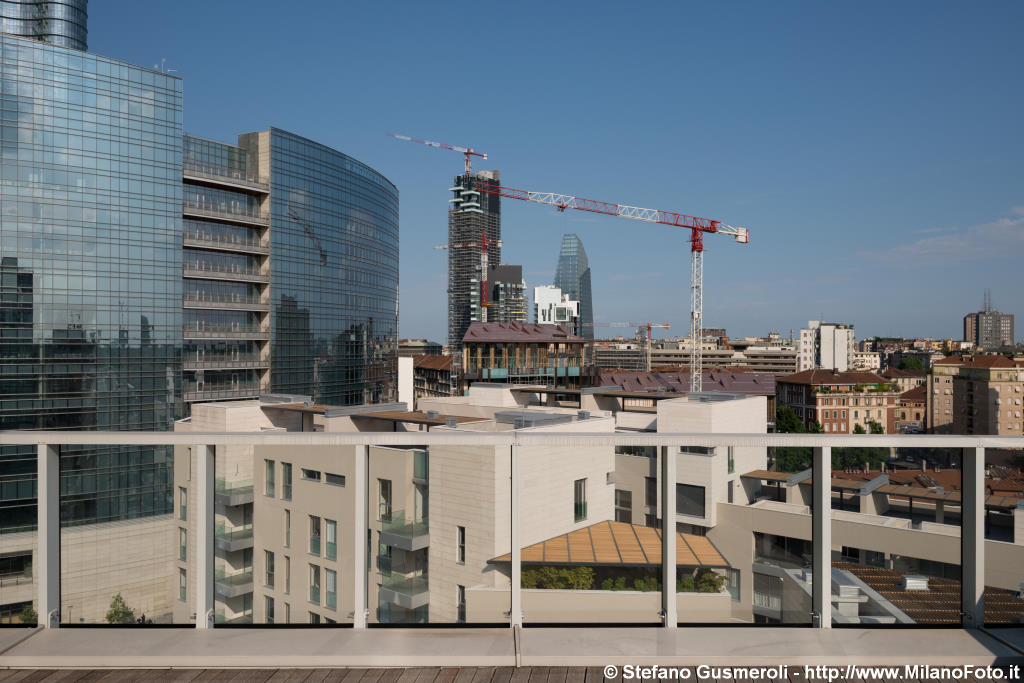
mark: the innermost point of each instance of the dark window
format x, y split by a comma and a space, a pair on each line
689, 500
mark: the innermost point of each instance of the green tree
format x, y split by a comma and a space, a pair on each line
910, 363
28, 616
857, 456
791, 459
709, 582
119, 612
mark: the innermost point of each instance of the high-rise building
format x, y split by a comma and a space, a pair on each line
320, 317
827, 346
472, 216
572, 276
62, 22
988, 328
506, 294
90, 240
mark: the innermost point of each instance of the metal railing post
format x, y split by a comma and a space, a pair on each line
821, 535
205, 493
48, 557
972, 538
359, 526
668, 537
516, 605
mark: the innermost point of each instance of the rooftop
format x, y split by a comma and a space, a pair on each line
820, 377
519, 332
753, 383
433, 362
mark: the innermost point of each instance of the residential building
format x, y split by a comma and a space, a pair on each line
434, 375
867, 360
925, 356
407, 348
987, 395
552, 307
939, 404
471, 215
989, 330
522, 354
63, 23
838, 401
827, 346
909, 413
506, 300
905, 380
621, 356
572, 276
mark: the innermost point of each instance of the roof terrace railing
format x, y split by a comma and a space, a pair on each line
577, 555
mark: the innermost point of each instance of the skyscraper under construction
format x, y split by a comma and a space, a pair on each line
472, 215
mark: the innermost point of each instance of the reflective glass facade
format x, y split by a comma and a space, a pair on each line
334, 272
572, 276
90, 273
58, 22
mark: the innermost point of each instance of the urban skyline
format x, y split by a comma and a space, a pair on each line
886, 216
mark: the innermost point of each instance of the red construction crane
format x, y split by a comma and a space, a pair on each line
482, 245
468, 151
647, 348
697, 227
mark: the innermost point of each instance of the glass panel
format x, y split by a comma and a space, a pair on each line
895, 533
436, 524
236, 580
1004, 525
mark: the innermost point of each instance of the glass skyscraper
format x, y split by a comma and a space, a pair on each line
572, 276
58, 22
90, 274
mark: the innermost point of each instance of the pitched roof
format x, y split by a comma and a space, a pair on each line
753, 383
896, 372
949, 360
818, 377
619, 544
916, 394
990, 361
518, 332
432, 362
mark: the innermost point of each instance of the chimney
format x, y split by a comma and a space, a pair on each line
432, 415
450, 422
924, 465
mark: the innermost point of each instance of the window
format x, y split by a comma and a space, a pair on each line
334, 479
579, 500
331, 579
314, 618
269, 482
331, 549
287, 613
689, 500
314, 584
314, 535
651, 491
623, 506
269, 609
384, 499
732, 461
182, 585
460, 544
268, 560
286, 481
182, 543
287, 574
733, 583
182, 503
460, 604
287, 528
310, 475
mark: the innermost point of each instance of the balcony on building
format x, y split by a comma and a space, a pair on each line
203, 270
226, 212
232, 584
231, 493
232, 538
234, 331
224, 177
407, 592
403, 530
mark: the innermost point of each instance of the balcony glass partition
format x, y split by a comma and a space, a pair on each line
1003, 524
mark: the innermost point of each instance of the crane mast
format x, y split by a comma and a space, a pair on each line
697, 226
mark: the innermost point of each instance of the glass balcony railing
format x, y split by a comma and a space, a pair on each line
406, 527
235, 533
314, 545
314, 595
407, 586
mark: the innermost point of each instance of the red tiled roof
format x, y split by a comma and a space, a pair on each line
819, 377
916, 394
518, 332
896, 372
949, 360
432, 362
753, 383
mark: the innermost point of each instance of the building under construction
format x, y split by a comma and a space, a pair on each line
471, 215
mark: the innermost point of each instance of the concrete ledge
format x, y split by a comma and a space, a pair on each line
131, 648
261, 648
745, 646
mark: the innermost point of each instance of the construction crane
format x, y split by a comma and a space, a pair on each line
468, 151
482, 246
647, 348
310, 233
697, 227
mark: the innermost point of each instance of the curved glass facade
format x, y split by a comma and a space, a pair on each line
572, 276
334, 272
90, 273
59, 22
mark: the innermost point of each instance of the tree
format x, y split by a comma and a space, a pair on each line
119, 612
858, 456
28, 616
789, 459
910, 363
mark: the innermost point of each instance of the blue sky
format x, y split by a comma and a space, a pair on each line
873, 149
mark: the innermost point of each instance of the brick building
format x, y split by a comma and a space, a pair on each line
838, 400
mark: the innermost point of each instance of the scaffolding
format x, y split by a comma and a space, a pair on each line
471, 214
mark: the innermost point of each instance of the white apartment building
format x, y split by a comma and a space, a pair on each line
825, 345
552, 307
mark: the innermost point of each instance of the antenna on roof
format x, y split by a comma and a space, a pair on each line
988, 300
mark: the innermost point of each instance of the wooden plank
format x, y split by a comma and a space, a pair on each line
556, 674
595, 674
372, 676
503, 674
576, 674
426, 675
289, 676
253, 675
390, 676
483, 674
521, 674
445, 675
